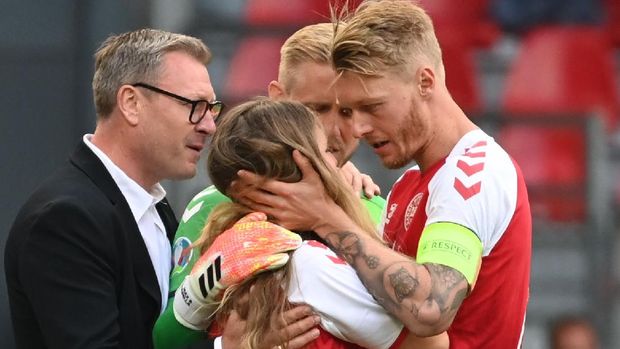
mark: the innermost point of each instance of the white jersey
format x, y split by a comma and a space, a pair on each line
334, 290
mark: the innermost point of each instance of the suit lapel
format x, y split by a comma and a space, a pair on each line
89, 163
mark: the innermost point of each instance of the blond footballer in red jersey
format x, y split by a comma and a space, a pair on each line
469, 273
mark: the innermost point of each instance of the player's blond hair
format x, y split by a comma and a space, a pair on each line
134, 57
385, 35
312, 44
260, 136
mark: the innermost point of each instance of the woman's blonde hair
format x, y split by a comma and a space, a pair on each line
260, 136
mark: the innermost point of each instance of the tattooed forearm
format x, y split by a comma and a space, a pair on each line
372, 261
425, 297
404, 284
459, 298
349, 246
449, 287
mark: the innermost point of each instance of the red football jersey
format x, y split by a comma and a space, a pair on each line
479, 187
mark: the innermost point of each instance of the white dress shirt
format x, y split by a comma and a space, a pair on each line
142, 205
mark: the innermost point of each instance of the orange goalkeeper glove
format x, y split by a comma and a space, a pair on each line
251, 246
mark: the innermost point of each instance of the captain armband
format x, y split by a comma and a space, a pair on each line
451, 245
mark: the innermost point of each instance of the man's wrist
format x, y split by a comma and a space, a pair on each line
337, 221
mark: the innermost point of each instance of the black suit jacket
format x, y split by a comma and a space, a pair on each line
78, 272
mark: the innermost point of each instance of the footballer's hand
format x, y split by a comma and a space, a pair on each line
297, 328
250, 246
359, 181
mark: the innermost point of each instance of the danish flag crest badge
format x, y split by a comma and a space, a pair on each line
411, 209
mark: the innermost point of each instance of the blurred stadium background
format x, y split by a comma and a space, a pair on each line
540, 76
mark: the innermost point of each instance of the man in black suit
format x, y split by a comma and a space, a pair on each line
88, 257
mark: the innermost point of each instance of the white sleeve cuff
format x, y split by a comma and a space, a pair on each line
217, 343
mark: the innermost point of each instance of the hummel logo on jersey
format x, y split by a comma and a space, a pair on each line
471, 170
189, 212
390, 213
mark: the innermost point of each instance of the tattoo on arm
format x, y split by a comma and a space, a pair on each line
397, 286
447, 289
349, 246
403, 283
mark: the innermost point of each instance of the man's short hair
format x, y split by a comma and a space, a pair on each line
309, 44
385, 35
136, 57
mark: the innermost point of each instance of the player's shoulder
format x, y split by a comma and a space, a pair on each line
209, 194
202, 203
476, 165
478, 154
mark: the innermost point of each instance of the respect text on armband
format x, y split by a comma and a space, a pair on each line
448, 246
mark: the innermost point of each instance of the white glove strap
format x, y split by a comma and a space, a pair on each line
190, 310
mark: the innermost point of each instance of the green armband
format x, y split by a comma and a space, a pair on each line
451, 245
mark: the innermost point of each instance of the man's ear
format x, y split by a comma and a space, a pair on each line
426, 81
128, 103
276, 90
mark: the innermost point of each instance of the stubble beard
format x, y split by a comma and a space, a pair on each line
408, 130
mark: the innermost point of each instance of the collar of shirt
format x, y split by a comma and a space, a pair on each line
139, 200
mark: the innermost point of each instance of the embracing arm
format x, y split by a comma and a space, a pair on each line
425, 297
330, 285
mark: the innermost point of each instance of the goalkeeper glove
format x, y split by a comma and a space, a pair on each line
251, 246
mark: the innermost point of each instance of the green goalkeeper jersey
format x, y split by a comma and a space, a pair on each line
168, 332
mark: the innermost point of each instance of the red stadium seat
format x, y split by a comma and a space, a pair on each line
612, 20
290, 12
553, 161
253, 66
275, 12
559, 71
461, 73
467, 17
564, 70
462, 26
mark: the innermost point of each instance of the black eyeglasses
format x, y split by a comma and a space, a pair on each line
199, 107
